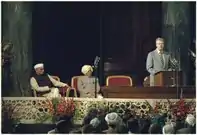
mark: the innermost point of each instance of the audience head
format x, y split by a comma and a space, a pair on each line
101, 112
155, 129
113, 119
169, 129
87, 129
101, 116
63, 126
159, 119
39, 68
133, 125
95, 122
127, 115
122, 129
87, 70
190, 120
144, 125
90, 115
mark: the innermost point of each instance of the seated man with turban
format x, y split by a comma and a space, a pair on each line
86, 84
115, 124
44, 84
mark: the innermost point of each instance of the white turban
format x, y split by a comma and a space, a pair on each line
112, 118
86, 68
191, 120
95, 122
168, 129
39, 65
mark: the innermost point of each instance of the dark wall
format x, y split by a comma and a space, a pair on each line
69, 35
66, 36
129, 33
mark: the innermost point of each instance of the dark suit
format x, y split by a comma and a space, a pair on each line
154, 64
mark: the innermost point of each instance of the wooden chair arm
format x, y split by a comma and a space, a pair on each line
68, 91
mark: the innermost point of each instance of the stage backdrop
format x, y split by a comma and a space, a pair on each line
72, 34
67, 35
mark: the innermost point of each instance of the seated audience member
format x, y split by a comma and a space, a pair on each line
96, 124
169, 129
44, 84
155, 129
89, 116
190, 127
114, 122
122, 129
144, 125
133, 126
87, 129
101, 116
190, 120
63, 126
179, 124
126, 116
86, 84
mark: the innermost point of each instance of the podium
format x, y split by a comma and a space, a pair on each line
168, 78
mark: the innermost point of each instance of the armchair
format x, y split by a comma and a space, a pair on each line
74, 84
118, 80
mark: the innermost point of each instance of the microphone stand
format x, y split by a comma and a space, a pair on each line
177, 72
95, 82
96, 61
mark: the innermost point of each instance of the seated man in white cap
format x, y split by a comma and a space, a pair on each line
44, 84
189, 127
114, 122
86, 84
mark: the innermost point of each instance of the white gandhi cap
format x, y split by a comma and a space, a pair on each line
38, 65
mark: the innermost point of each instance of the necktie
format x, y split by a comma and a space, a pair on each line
162, 61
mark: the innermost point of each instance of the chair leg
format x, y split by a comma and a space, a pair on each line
75, 92
67, 92
34, 93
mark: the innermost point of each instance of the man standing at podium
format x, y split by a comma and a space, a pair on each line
157, 60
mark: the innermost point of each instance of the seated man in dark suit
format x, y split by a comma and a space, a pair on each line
44, 84
190, 125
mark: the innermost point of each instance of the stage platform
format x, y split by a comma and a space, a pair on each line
149, 92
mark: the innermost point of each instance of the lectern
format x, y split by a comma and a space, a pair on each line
168, 78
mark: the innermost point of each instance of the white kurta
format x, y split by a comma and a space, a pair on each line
86, 86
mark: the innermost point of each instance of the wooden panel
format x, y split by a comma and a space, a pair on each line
148, 92
166, 78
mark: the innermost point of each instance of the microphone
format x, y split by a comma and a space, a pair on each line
96, 61
174, 62
192, 53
